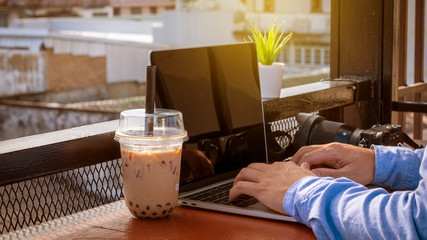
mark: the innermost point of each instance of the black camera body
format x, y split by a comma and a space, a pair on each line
314, 129
387, 134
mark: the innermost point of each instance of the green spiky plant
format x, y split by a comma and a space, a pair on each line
268, 45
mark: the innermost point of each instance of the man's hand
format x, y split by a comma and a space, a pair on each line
268, 183
339, 160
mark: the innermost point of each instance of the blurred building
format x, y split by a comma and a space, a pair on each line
55, 56
140, 7
13, 9
111, 48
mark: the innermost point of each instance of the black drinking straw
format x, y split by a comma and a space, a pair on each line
149, 97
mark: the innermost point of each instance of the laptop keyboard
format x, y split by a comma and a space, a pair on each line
219, 195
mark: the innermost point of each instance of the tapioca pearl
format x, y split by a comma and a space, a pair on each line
159, 206
164, 212
144, 213
167, 204
154, 214
136, 205
170, 210
130, 203
148, 207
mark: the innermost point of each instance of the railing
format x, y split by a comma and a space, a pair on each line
408, 99
305, 55
47, 176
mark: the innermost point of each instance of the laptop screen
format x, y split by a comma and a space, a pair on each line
217, 90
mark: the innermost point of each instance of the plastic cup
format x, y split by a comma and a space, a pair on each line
151, 160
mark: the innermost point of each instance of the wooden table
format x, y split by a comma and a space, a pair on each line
113, 221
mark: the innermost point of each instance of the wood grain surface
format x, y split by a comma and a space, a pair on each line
184, 223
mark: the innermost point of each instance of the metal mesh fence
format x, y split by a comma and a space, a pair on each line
45, 198
289, 126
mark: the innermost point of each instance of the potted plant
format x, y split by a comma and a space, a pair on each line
268, 46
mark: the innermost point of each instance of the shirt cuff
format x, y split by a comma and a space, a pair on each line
382, 165
396, 167
296, 201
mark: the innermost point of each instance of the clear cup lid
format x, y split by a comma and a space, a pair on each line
138, 127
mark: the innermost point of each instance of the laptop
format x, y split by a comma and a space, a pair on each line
217, 90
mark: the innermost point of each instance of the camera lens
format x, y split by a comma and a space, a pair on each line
315, 129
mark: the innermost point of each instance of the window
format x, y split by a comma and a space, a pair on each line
284, 55
116, 11
307, 57
317, 56
135, 10
316, 6
4, 19
298, 55
153, 10
268, 5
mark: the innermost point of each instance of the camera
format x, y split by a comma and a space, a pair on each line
314, 129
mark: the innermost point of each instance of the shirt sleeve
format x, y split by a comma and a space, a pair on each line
397, 167
342, 209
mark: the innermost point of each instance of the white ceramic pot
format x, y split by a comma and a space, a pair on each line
271, 77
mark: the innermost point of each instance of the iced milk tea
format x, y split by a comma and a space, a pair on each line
151, 181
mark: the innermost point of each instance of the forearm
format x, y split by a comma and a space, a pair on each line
341, 208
